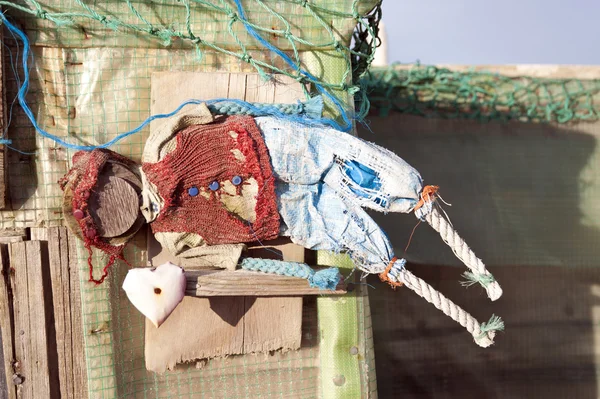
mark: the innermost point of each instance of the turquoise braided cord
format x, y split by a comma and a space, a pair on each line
311, 108
324, 279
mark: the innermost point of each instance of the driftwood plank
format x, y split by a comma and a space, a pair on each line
7, 326
209, 283
272, 323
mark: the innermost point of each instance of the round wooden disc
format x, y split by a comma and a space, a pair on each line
114, 205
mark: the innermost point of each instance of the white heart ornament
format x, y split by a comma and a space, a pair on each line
156, 291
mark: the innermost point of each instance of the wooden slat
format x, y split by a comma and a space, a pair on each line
67, 312
36, 261
38, 234
60, 293
22, 332
31, 341
6, 325
12, 235
209, 283
80, 378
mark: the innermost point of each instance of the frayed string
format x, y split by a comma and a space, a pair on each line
384, 276
425, 204
495, 323
474, 278
411, 236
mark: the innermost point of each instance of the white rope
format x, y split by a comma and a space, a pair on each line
482, 333
462, 251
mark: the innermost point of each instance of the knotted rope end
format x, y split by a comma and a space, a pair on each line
313, 108
385, 275
488, 331
326, 279
425, 204
486, 280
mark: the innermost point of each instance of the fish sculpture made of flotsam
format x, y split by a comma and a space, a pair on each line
210, 183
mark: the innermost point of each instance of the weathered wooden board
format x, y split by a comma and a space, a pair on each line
267, 331
12, 235
29, 264
66, 301
7, 386
274, 323
40, 315
216, 330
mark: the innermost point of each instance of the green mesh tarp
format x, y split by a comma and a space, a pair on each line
90, 80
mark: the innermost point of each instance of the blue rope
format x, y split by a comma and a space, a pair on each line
253, 109
347, 122
326, 279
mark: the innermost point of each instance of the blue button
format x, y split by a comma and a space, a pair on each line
236, 180
193, 191
214, 186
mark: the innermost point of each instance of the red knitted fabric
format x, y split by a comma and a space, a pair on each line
203, 156
82, 179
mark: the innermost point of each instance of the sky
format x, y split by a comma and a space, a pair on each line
493, 32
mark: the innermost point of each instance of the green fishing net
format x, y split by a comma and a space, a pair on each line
484, 96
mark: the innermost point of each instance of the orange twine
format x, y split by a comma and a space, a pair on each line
384, 276
427, 195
